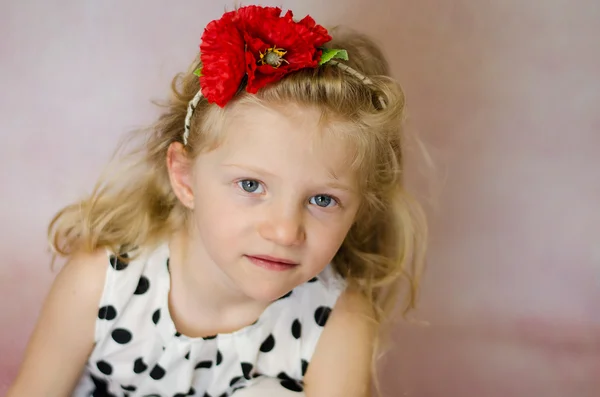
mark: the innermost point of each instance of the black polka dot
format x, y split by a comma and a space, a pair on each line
256, 375
121, 336
168, 265
206, 395
191, 392
247, 369
117, 263
314, 279
178, 334
304, 364
268, 344
292, 385
139, 366
143, 286
156, 316
209, 337
296, 329
128, 388
283, 376
234, 380
107, 313
100, 388
286, 295
157, 372
219, 357
104, 367
321, 315
204, 364
187, 356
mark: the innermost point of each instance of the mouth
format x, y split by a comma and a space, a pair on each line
272, 263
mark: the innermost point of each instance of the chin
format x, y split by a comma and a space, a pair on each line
264, 291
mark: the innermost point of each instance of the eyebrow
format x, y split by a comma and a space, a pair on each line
256, 170
332, 184
339, 186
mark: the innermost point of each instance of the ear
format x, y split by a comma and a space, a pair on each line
180, 168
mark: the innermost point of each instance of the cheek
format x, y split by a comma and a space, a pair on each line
218, 216
326, 240
211, 210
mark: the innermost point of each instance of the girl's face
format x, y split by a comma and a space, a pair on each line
273, 203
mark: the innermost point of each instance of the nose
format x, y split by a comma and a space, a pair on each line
283, 227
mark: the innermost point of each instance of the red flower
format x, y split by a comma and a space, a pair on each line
257, 42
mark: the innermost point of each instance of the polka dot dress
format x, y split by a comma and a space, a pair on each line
139, 352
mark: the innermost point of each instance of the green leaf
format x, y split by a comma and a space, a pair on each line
329, 54
198, 72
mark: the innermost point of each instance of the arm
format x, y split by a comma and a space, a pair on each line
64, 335
341, 365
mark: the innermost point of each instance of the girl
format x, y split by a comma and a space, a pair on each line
257, 243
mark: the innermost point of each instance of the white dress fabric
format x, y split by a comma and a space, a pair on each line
139, 352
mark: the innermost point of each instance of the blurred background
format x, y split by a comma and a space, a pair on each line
504, 93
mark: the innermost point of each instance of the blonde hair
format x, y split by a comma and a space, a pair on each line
384, 249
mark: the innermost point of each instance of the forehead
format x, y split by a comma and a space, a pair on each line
295, 133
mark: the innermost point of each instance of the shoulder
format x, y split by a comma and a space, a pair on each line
77, 288
342, 362
83, 275
64, 334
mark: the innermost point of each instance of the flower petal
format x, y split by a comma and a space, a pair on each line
223, 60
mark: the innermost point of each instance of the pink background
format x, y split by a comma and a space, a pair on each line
506, 94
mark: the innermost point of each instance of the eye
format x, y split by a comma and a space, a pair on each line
250, 186
323, 200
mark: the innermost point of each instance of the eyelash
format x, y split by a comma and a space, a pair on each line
241, 181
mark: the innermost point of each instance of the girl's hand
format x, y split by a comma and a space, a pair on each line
64, 335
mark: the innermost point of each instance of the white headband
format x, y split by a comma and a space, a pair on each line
194, 102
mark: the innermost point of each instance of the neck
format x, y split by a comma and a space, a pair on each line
203, 300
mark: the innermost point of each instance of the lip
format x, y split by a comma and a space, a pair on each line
271, 262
